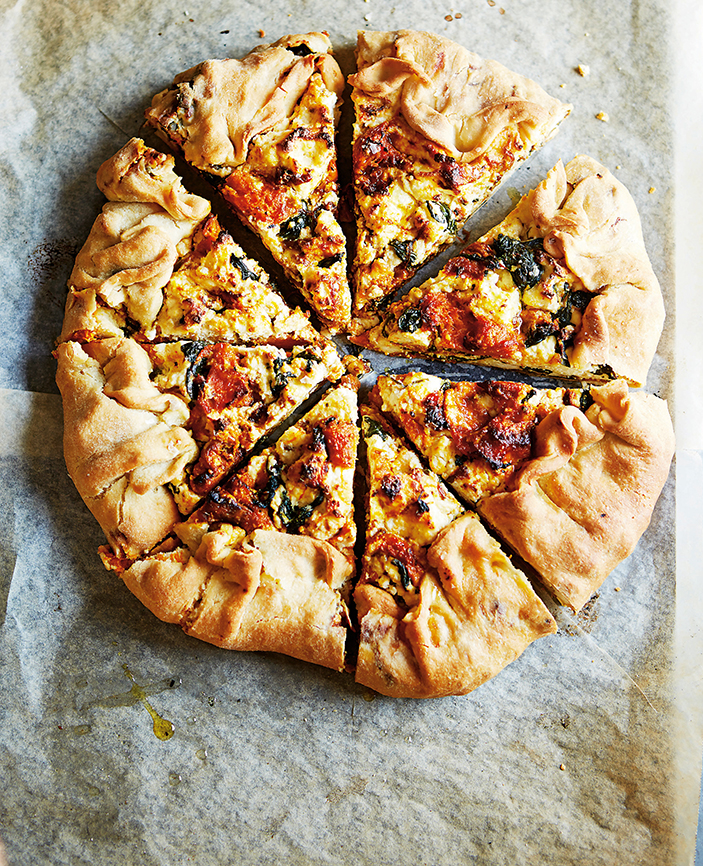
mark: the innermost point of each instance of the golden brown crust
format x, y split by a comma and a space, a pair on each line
133, 245
277, 592
578, 509
588, 218
124, 441
450, 95
240, 99
478, 615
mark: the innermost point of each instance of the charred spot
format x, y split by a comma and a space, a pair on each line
391, 485
469, 267
451, 174
422, 506
434, 412
375, 154
506, 439
374, 181
287, 177
318, 439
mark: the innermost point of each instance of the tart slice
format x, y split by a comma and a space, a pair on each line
568, 478
437, 130
441, 609
236, 395
266, 562
158, 265
562, 286
303, 483
151, 429
474, 435
262, 130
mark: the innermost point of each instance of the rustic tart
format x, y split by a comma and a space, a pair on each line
231, 452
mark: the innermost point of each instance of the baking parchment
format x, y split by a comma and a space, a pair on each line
587, 749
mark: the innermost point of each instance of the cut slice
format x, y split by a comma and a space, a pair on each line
159, 266
568, 478
437, 129
125, 442
562, 286
440, 607
475, 435
266, 562
150, 429
236, 395
266, 591
262, 129
303, 484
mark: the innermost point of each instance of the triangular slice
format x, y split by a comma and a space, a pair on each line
437, 129
236, 395
562, 286
262, 129
568, 478
150, 428
266, 562
158, 265
441, 609
303, 483
473, 434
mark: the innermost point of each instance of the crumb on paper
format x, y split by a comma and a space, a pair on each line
448, 17
583, 70
458, 15
617, 588
367, 17
502, 11
652, 189
491, 2
562, 767
262, 32
618, 167
602, 115
562, 85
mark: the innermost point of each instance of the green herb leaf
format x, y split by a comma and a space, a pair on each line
403, 571
292, 228
442, 214
519, 258
244, 269
410, 320
404, 251
373, 428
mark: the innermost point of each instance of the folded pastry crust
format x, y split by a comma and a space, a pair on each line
437, 129
262, 130
579, 507
157, 257
476, 614
239, 99
133, 245
276, 592
124, 441
562, 286
450, 95
440, 607
586, 217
